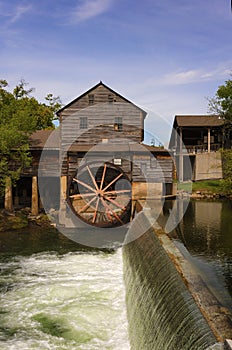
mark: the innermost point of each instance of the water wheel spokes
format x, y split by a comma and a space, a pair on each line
84, 184
114, 180
103, 176
102, 194
95, 211
109, 211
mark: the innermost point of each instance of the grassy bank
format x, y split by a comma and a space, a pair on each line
21, 219
211, 186
214, 186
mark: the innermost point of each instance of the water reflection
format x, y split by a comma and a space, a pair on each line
207, 228
206, 232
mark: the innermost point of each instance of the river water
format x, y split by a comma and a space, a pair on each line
58, 295
61, 299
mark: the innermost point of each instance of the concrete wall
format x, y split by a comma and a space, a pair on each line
143, 190
208, 166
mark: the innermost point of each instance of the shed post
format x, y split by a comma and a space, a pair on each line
34, 196
181, 167
16, 198
63, 195
208, 140
8, 204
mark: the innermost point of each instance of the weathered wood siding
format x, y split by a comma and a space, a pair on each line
101, 124
152, 169
75, 159
48, 164
101, 95
100, 108
138, 168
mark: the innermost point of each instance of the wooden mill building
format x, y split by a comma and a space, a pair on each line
95, 163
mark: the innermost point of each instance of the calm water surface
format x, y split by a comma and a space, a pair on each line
206, 232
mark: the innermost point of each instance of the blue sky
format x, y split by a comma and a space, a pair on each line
166, 56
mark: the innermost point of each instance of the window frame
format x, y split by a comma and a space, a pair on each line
153, 162
91, 99
118, 124
83, 123
110, 98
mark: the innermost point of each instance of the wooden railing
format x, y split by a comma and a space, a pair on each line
201, 148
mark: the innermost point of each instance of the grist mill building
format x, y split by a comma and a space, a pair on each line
95, 163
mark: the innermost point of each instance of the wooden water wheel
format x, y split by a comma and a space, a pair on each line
100, 194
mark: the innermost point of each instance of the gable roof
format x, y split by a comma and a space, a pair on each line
93, 88
197, 120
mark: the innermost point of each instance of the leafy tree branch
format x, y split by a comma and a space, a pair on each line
20, 115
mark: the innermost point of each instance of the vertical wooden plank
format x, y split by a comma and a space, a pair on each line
208, 140
63, 195
8, 195
34, 197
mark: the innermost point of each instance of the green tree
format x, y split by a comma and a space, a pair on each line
20, 115
221, 104
226, 184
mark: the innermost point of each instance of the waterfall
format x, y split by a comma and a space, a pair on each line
161, 311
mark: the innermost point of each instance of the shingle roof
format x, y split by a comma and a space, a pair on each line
117, 147
39, 139
198, 120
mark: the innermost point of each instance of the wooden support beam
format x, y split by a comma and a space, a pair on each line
63, 196
34, 197
181, 160
8, 195
209, 140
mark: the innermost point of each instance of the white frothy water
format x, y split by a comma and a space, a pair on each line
74, 301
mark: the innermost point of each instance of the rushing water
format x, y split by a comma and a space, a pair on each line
161, 311
61, 300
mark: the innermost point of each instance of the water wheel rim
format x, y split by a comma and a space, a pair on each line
103, 203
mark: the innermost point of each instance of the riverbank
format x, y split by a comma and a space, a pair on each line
21, 219
205, 189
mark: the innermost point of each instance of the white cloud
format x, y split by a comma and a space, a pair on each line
14, 13
182, 77
197, 75
19, 11
90, 8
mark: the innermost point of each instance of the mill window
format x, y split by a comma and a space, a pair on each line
91, 99
118, 124
153, 162
83, 123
